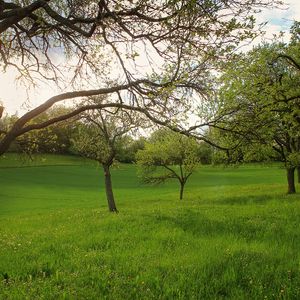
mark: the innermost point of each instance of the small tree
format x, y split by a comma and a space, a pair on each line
97, 138
168, 155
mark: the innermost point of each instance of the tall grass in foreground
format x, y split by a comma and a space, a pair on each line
236, 235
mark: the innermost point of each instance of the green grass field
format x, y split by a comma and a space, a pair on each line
236, 235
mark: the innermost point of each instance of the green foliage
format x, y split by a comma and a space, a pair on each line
167, 155
90, 142
237, 236
127, 148
259, 105
101, 136
205, 152
53, 139
168, 150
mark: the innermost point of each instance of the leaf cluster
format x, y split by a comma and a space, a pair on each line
167, 155
259, 104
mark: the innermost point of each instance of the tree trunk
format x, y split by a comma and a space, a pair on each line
108, 189
298, 173
5, 142
291, 180
181, 190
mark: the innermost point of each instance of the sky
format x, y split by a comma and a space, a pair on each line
17, 99
280, 19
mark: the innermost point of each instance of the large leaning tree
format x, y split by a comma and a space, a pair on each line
260, 97
150, 56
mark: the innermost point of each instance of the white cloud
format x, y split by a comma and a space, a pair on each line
294, 9
19, 97
279, 19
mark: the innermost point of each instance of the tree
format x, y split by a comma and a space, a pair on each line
179, 41
259, 105
205, 153
128, 147
292, 57
168, 155
97, 138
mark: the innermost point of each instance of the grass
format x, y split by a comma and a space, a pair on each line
235, 236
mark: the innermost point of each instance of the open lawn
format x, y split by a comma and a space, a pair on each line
236, 234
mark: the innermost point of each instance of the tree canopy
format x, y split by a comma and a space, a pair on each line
153, 57
168, 155
260, 107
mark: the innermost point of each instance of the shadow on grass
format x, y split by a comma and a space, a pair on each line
264, 226
245, 200
40, 166
249, 199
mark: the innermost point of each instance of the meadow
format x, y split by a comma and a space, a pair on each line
235, 235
